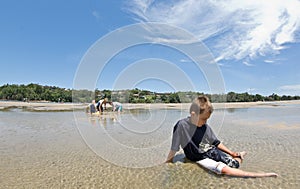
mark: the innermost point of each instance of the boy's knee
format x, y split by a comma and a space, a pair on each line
234, 164
226, 170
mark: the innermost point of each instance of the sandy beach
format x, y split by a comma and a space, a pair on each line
49, 106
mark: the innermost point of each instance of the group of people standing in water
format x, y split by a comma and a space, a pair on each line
100, 106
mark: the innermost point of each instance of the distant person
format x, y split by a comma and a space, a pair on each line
101, 103
116, 106
93, 107
201, 145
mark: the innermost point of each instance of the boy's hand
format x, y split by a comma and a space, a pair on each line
235, 154
170, 156
239, 155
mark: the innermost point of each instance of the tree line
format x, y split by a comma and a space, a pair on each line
36, 92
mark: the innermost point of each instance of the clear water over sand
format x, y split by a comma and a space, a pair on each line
45, 149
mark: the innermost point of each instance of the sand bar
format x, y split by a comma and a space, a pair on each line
41, 106
49, 106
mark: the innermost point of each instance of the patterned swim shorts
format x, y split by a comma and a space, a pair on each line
220, 156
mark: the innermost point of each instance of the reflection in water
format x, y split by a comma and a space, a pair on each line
104, 119
140, 115
231, 110
134, 134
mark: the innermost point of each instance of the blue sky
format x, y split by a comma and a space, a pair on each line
254, 44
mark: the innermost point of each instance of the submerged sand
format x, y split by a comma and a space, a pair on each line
45, 150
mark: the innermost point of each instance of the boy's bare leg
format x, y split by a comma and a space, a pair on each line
239, 173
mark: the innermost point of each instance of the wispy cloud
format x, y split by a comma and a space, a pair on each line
269, 61
247, 63
184, 60
275, 61
232, 29
290, 87
96, 15
251, 90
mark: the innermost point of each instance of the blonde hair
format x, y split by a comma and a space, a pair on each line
201, 105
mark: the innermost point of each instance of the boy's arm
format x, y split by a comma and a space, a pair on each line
226, 150
176, 137
170, 156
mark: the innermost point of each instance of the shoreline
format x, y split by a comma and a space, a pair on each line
52, 106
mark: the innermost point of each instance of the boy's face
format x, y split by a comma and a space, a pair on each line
205, 115
200, 119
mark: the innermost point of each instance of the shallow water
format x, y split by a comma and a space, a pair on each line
66, 150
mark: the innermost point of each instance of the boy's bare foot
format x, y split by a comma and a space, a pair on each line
257, 175
242, 155
271, 175
239, 156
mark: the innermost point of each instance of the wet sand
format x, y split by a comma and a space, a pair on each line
45, 150
41, 106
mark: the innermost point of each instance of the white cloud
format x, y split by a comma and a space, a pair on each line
290, 87
269, 61
247, 63
184, 60
232, 29
96, 15
275, 61
250, 90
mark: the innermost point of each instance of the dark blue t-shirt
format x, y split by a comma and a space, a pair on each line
194, 140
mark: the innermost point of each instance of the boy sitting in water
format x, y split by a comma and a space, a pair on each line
201, 145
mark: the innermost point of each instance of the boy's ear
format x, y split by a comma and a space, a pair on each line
194, 117
194, 113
